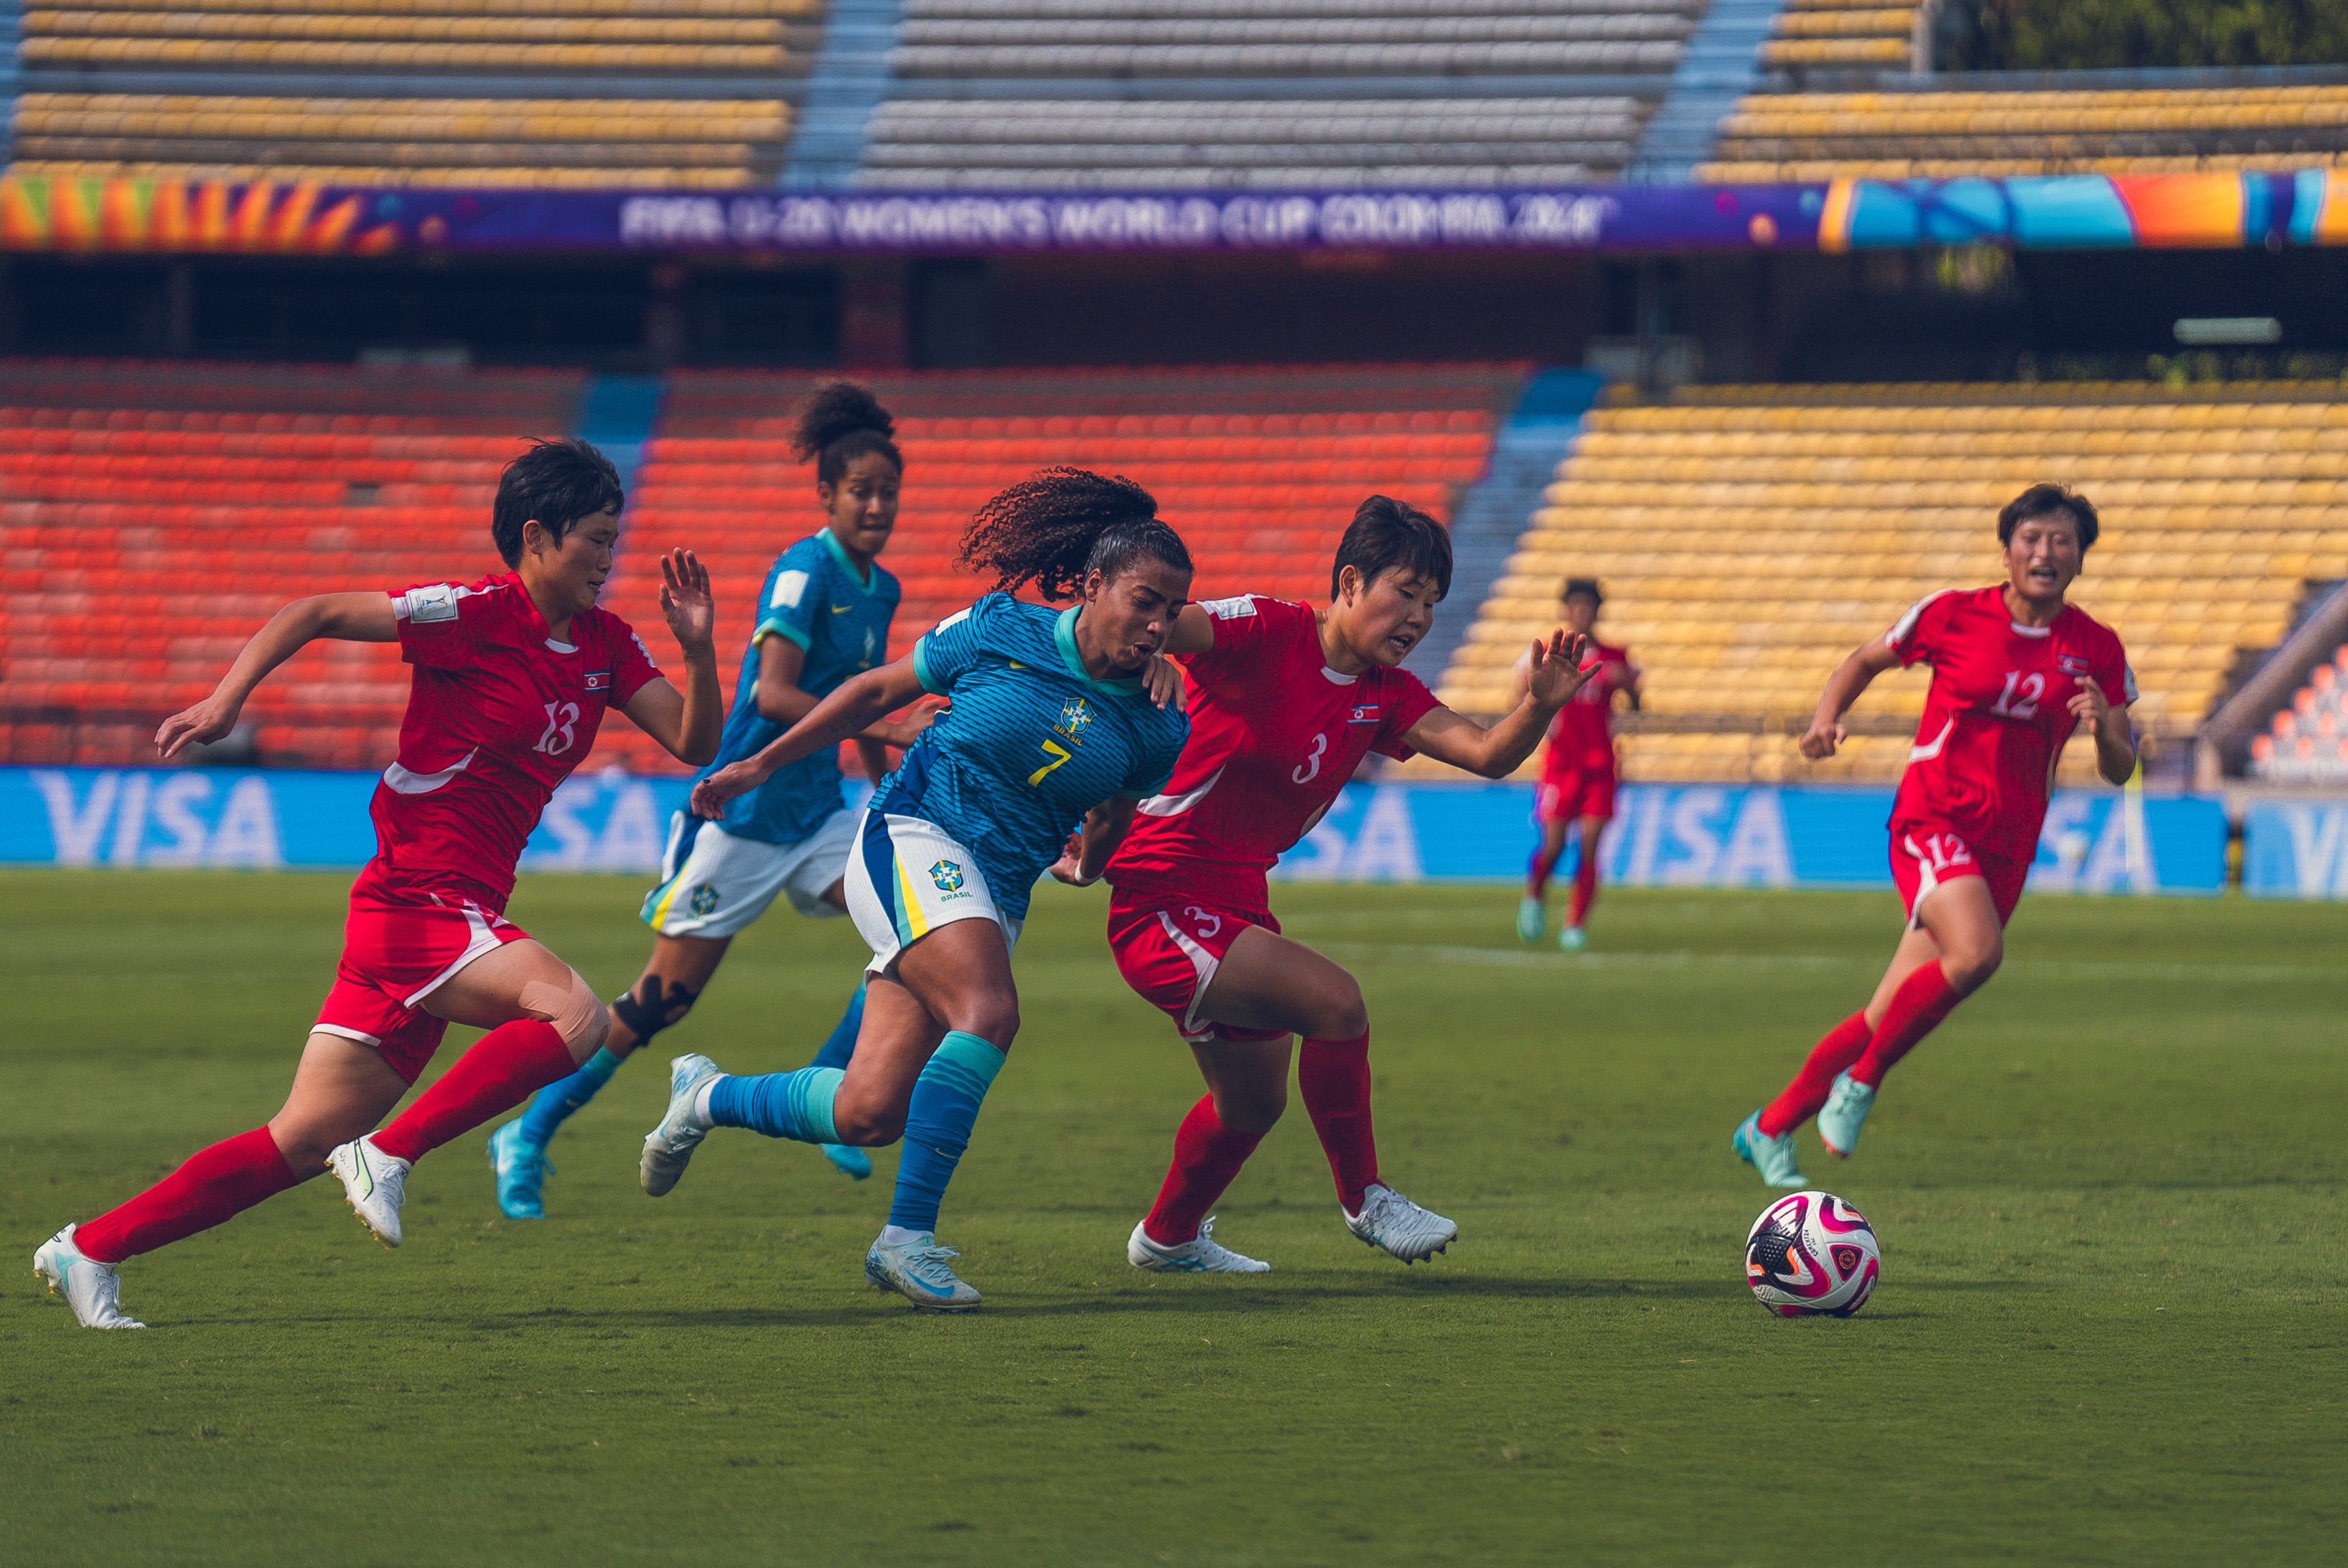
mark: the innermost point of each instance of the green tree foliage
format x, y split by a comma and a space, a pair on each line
2088, 35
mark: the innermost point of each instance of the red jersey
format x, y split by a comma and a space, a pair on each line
1998, 712
497, 715
1581, 736
1274, 735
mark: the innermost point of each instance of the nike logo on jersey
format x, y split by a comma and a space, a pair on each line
841, 608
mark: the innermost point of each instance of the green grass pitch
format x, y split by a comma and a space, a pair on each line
2110, 1194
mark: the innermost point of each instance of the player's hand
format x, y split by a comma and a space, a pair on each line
1070, 868
710, 795
2091, 707
686, 599
1162, 679
207, 721
1823, 738
1557, 669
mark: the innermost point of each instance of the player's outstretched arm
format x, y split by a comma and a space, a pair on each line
343, 617
1089, 852
687, 724
851, 710
2108, 724
782, 701
1554, 672
1851, 677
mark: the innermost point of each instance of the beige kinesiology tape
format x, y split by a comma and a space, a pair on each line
574, 1010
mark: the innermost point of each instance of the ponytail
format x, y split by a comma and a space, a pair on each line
840, 424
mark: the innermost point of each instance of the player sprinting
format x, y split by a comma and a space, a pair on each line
1578, 774
1286, 700
512, 677
823, 616
1050, 717
2014, 671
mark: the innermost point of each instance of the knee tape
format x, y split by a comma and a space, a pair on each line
574, 1010
662, 1003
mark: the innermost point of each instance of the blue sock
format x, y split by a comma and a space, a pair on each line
779, 1104
560, 1099
842, 1044
944, 1106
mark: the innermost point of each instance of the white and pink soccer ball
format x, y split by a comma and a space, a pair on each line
1812, 1254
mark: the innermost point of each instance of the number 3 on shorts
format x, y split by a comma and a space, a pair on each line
1057, 752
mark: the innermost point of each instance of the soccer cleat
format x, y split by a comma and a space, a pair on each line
374, 1183
1571, 940
669, 1146
93, 1289
521, 1170
1201, 1254
1773, 1157
1844, 1113
919, 1272
849, 1160
1532, 919
1391, 1221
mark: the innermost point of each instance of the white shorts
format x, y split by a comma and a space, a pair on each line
908, 877
726, 881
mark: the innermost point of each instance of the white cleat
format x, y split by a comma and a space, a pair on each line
90, 1287
1391, 1221
919, 1272
668, 1148
374, 1183
1201, 1254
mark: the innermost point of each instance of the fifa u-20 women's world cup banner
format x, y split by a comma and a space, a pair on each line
1667, 835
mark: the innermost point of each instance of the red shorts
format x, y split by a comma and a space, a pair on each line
1168, 953
1570, 797
401, 942
1924, 855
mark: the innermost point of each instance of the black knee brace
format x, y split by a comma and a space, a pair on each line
650, 1007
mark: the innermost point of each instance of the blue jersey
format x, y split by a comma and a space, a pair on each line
814, 597
1030, 745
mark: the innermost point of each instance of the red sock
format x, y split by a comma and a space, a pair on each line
1537, 874
1831, 1058
213, 1185
1207, 1156
1585, 890
504, 1068
1335, 1075
1917, 1008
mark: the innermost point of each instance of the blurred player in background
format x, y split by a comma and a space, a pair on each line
1051, 716
823, 616
1286, 700
2014, 671
512, 677
1577, 773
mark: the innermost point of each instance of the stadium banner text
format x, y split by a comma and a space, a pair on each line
2296, 849
291, 217
1667, 835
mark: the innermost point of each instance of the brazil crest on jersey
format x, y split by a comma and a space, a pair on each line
1030, 745
814, 597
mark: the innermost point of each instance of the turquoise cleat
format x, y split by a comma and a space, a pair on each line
849, 1160
1532, 919
919, 1272
1773, 1157
522, 1171
1571, 940
1844, 1114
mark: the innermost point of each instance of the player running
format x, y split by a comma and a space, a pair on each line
1050, 717
1577, 773
512, 677
2014, 671
1286, 700
823, 616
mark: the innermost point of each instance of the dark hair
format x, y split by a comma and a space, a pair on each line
1057, 525
1387, 535
2044, 500
1585, 586
554, 484
838, 425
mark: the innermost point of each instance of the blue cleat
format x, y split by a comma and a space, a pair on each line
1844, 1113
1571, 940
919, 1272
1532, 919
521, 1170
849, 1160
1773, 1157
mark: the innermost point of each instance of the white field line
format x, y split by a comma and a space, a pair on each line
2057, 969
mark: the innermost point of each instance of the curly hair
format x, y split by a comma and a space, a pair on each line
838, 425
1058, 526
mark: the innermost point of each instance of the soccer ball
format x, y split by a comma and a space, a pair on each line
1811, 1253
